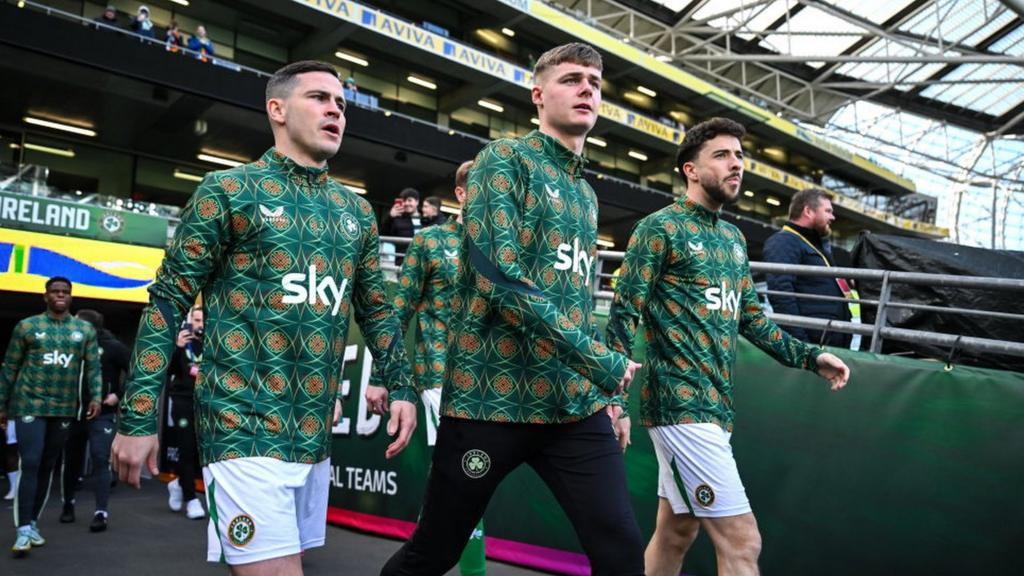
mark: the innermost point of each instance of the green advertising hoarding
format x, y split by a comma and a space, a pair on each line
912, 469
40, 214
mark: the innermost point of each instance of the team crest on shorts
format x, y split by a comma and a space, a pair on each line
705, 495
241, 530
476, 463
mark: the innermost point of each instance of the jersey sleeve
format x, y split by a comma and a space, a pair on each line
411, 279
93, 369
767, 335
202, 236
12, 364
379, 323
492, 215
641, 268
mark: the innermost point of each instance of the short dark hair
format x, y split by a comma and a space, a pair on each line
58, 279
697, 136
810, 197
282, 82
409, 193
434, 201
92, 317
574, 53
462, 173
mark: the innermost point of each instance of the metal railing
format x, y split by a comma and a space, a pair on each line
879, 331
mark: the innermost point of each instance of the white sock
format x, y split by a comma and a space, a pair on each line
13, 477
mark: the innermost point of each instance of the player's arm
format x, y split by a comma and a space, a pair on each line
641, 268
412, 279
93, 373
378, 322
12, 364
767, 336
200, 239
779, 249
492, 216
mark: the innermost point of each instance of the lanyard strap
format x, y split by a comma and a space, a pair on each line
844, 286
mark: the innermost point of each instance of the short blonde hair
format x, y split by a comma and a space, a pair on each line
574, 53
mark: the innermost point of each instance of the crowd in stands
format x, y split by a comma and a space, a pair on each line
174, 38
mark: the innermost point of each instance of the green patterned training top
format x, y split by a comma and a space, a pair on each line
282, 254
426, 285
522, 342
686, 274
44, 361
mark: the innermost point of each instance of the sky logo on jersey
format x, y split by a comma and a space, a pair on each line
721, 298
56, 358
571, 257
307, 288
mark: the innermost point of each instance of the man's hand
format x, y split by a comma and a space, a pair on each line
184, 337
337, 411
129, 453
377, 399
403, 421
620, 425
111, 400
396, 210
93, 410
831, 368
627, 378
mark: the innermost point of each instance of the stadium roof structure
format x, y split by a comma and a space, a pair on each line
936, 87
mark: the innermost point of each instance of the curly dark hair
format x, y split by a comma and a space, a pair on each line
697, 136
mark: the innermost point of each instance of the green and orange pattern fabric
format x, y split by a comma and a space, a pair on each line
426, 284
282, 255
686, 275
44, 361
523, 345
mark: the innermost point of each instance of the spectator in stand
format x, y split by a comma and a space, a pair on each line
141, 24
350, 84
109, 17
98, 433
403, 220
175, 39
432, 211
201, 44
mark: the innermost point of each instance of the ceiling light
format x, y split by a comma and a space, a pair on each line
663, 58
65, 152
182, 175
491, 105
387, 113
451, 132
356, 187
180, 2
349, 57
773, 201
59, 126
625, 40
219, 160
422, 82
647, 91
748, 193
638, 155
597, 141
605, 242
508, 32
535, 121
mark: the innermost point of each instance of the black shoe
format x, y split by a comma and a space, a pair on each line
68, 515
99, 522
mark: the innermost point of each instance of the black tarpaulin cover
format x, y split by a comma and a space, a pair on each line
916, 255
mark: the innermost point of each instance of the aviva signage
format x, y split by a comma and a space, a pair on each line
104, 270
403, 31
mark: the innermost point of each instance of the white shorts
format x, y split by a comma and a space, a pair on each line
262, 508
696, 470
432, 410
12, 437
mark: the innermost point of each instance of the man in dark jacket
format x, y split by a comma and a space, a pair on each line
404, 218
803, 240
188, 355
98, 432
